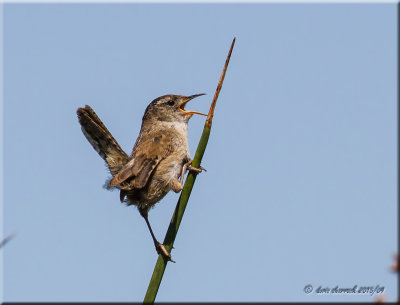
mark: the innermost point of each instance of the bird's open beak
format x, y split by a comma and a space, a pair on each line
182, 106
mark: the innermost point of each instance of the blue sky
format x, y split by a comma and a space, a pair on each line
301, 181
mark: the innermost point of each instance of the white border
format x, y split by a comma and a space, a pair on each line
115, 2
1, 152
202, 1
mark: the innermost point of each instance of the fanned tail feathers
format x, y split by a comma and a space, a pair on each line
102, 140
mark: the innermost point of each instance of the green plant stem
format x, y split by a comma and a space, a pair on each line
175, 223
184, 197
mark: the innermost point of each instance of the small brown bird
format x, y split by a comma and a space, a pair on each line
159, 158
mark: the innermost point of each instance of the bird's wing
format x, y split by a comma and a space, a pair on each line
148, 154
101, 139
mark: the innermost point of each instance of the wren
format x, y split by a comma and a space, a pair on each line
159, 158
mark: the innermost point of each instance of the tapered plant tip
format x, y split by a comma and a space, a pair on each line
221, 81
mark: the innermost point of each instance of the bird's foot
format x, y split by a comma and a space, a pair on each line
161, 249
195, 169
188, 167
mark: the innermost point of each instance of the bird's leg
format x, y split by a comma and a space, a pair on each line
188, 167
184, 169
159, 247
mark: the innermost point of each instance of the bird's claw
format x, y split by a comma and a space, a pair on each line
195, 169
161, 250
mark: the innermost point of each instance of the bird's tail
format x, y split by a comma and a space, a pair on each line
101, 139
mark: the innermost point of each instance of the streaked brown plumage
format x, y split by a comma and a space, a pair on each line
159, 158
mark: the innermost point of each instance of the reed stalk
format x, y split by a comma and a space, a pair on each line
170, 236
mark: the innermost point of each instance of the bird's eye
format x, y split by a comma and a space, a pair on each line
171, 103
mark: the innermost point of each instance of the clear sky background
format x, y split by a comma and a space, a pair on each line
301, 181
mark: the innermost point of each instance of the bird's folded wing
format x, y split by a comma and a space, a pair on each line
148, 154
